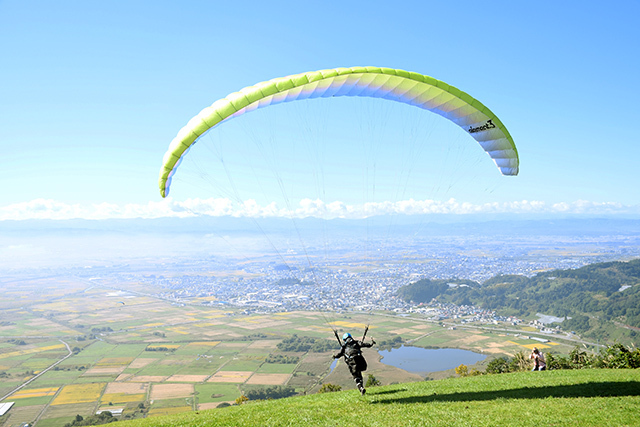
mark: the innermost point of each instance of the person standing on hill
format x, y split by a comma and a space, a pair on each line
538, 360
353, 358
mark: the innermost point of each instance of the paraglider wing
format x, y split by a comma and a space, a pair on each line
398, 85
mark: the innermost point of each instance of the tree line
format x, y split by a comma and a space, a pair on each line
266, 393
586, 297
105, 417
282, 358
616, 356
305, 344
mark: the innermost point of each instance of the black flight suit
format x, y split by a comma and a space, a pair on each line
354, 359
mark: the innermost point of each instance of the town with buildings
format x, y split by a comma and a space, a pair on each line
290, 281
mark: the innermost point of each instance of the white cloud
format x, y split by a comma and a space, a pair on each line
52, 209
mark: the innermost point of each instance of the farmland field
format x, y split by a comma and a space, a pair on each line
150, 357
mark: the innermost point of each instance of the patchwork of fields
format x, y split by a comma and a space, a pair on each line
135, 355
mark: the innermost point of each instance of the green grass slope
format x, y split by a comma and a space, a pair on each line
592, 397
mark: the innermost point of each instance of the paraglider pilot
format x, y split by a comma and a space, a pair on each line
353, 358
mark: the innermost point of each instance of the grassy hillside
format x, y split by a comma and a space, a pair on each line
590, 397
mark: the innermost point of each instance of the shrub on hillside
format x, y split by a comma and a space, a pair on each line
329, 388
275, 392
498, 366
372, 381
615, 356
519, 362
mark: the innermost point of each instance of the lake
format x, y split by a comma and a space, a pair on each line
422, 360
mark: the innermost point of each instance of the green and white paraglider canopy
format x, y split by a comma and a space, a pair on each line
397, 85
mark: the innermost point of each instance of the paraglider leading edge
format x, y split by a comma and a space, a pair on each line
398, 85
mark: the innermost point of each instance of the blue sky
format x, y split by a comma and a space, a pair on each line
91, 93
